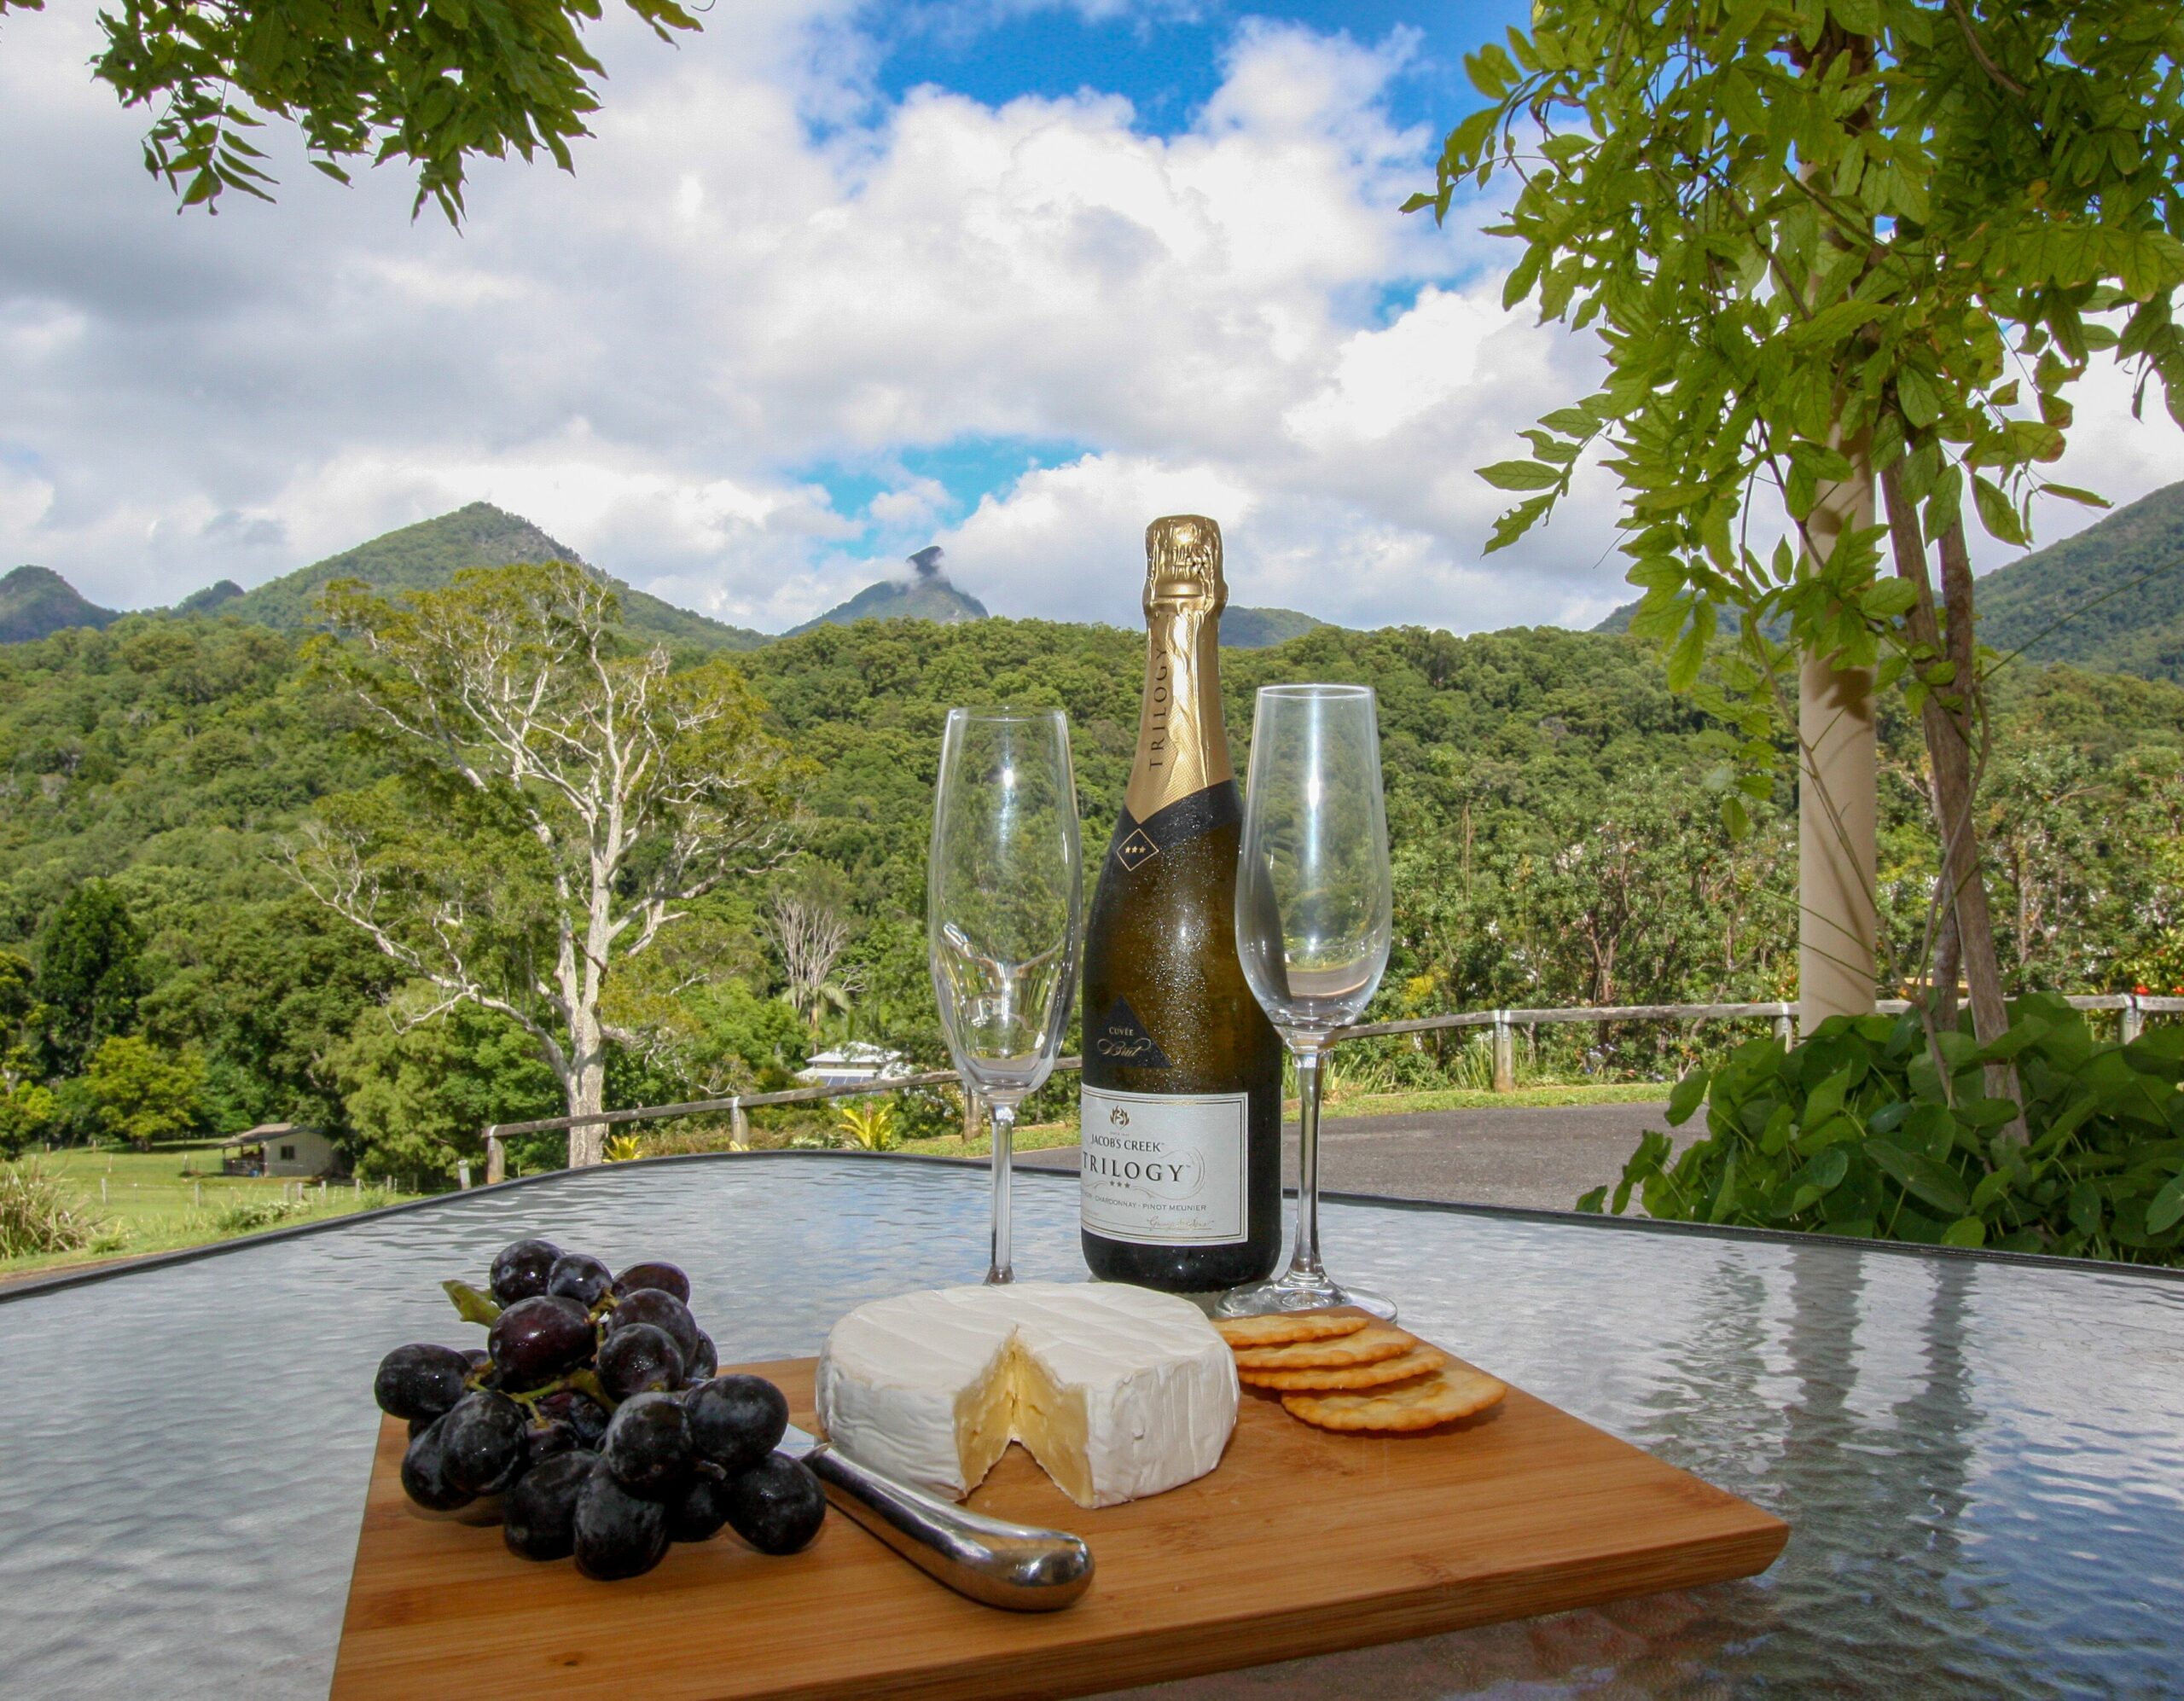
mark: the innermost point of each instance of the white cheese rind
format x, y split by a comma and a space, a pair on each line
1119, 1392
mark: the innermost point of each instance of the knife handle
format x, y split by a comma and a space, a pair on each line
1013, 1566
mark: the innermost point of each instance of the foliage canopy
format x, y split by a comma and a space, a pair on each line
432, 82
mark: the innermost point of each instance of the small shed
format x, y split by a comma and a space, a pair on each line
279, 1148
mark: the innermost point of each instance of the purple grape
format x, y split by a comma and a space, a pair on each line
536, 1339
647, 1447
538, 1520
482, 1443
520, 1268
735, 1421
665, 1277
777, 1506
616, 1534
702, 1511
664, 1311
424, 1471
420, 1381
579, 1277
639, 1360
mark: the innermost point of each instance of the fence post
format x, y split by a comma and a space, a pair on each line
2131, 1021
497, 1157
970, 1114
462, 1175
1784, 1029
739, 1127
1505, 1059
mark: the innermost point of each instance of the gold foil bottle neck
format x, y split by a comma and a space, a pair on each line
1182, 747
1182, 563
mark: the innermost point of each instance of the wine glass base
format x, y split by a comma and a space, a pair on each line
1300, 1291
1000, 1277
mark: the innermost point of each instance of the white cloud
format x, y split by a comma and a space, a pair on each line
762, 267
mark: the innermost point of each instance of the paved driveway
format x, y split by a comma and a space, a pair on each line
1519, 1154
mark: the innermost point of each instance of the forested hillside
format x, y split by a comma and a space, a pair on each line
427, 555
1555, 837
36, 602
2111, 598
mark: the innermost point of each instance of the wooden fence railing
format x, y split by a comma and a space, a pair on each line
2132, 1009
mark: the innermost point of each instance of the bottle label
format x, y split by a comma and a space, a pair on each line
1136, 843
1164, 1169
1120, 1037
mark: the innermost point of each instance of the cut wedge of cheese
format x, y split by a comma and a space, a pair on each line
1117, 1393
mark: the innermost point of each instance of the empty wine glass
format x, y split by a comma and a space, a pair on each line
1313, 905
1004, 915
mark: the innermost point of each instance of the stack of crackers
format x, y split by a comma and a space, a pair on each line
1343, 1369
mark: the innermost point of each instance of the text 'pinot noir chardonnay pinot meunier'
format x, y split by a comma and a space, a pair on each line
1182, 1113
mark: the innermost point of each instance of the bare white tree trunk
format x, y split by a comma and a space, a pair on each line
809, 933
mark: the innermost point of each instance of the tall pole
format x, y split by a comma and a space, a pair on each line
1838, 793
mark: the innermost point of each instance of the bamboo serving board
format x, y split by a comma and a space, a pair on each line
1301, 1542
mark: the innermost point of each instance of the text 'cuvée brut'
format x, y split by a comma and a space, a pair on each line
1181, 1129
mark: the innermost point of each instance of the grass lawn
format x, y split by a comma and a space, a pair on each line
1471, 1099
1343, 1105
174, 1196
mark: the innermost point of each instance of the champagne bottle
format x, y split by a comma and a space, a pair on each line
1180, 1129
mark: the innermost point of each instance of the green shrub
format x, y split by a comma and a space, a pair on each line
38, 1215
1856, 1131
246, 1216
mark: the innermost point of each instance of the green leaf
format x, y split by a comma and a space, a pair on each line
1521, 475
471, 1305
2166, 1208
1996, 513
1594, 1202
1965, 1231
1689, 654
1887, 599
1920, 401
1518, 522
1920, 1176
1686, 1096
2072, 493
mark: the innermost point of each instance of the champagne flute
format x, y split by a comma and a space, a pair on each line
1313, 923
1004, 915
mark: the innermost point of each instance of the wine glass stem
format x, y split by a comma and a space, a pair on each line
1003, 1120
1305, 1260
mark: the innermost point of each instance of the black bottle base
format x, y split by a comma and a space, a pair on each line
1181, 1270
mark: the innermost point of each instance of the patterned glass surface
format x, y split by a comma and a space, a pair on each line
1983, 1461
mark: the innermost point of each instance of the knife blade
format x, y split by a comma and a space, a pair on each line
1017, 1566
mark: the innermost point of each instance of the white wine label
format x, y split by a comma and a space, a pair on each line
1163, 1168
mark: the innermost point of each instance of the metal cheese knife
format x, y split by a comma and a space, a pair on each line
1014, 1566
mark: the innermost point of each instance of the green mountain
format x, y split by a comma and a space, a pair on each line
427, 555
2110, 599
1260, 628
209, 599
927, 594
34, 601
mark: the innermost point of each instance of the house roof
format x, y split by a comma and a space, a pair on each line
265, 1131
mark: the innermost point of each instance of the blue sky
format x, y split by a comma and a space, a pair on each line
832, 280
1165, 61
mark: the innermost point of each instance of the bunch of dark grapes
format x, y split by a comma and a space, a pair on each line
595, 1414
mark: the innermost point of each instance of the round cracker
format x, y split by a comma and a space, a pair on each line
1415, 1362
1455, 1391
1367, 1345
1278, 1328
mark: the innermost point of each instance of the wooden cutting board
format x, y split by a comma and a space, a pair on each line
1301, 1542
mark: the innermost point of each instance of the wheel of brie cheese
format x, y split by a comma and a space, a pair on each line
1117, 1393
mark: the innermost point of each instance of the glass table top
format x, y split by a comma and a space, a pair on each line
1982, 1461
